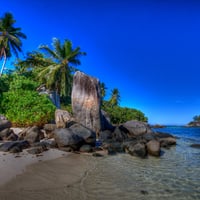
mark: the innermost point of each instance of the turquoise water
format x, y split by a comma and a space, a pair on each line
175, 175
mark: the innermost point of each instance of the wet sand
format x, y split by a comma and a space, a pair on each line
50, 179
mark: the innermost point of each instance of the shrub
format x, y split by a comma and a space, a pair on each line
122, 114
27, 108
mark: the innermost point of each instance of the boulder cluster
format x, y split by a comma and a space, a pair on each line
87, 130
133, 137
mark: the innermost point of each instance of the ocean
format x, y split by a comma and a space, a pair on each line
175, 175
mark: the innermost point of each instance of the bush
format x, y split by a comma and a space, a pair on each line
27, 108
23, 83
23, 106
123, 114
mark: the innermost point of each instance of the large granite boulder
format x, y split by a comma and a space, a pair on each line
65, 137
62, 117
137, 128
88, 135
86, 101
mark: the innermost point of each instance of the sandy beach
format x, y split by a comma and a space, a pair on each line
48, 176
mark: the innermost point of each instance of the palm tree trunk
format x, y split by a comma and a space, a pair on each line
3, 65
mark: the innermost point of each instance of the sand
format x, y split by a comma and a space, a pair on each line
51, 176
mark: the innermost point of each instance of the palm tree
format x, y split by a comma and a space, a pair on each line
103, 90
115, 97
55, 67
10, 38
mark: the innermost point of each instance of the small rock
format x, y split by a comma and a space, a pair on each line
86, 148
95, 154
35, 150
195, 146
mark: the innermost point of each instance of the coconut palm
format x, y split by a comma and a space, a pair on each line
115, 97
54, 67
10, 38
103, 90
58, 75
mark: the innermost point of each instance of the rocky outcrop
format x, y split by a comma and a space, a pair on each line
86, 101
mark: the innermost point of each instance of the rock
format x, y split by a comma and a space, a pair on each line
36, 150
15, 149
149, 136
163, 135
167, 142
51, 143
119, 134
86, 101
195, 146
157, 126
22, 134
96, 154
105, 121
33, 135
12, 137
136, 149
105, 135
5, 124
17, 131
86, 148
49, 128
115, 147
88, 135
65, 137
137, 128
5, 133
62, 117
7, 146
153, 148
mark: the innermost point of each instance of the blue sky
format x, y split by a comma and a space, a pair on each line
149, 50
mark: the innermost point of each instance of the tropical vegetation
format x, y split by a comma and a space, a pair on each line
53, 68
22, 104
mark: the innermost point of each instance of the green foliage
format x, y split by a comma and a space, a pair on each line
27, 108
196, 118
23, 83
23, 106
122, 114
4, 83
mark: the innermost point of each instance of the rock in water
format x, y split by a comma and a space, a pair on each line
153, 148
86, 101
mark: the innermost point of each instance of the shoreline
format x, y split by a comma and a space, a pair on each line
12, 165
47, 179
